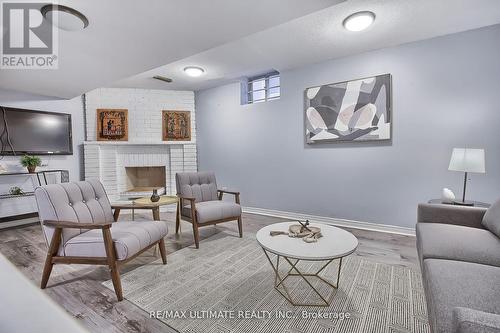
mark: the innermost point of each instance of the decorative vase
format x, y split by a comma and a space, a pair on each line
155, 197
447, 194
31, 168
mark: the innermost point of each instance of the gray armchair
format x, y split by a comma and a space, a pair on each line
201, 202
78, 226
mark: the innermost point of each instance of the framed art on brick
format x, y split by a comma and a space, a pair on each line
176, 125
112, 125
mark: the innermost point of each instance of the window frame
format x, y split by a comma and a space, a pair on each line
266, 77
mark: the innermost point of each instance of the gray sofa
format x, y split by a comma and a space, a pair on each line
459, 252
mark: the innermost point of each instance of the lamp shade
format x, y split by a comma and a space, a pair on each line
467, 160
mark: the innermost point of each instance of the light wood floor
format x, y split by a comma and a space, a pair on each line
78, 288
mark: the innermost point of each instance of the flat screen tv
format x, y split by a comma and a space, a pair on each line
34, 132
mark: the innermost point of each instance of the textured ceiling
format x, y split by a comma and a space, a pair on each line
126, 37
320, 36
231, 39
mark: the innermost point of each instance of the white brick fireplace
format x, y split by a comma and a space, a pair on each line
108, 161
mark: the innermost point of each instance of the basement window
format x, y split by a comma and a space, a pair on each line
263, 88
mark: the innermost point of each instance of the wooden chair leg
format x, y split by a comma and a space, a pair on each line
163, 251
52, 251
177, 218
113, 267
240, 227
196, 235
194, 222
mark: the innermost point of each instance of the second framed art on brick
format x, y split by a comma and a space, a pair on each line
176, 125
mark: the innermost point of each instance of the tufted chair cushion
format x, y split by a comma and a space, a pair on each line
84, 201
199, 185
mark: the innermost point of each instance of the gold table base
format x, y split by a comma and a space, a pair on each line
279, 281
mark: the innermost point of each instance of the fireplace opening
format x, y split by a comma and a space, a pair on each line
141, 181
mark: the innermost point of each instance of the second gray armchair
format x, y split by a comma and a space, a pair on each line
201, 202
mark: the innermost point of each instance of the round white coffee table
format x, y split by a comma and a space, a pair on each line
335, 244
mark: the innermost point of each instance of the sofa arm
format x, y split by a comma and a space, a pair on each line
467, 320
451, 214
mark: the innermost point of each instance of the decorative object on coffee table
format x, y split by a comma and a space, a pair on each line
155, 197
176, 125
112, 125
466, 160
337, 244
302, 230
31, 162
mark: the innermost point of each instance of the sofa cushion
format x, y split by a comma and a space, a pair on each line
449, 284
491, 219
128, 238
454, 242
207, 211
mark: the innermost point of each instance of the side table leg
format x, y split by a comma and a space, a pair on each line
156, 217
156, 213
116, 214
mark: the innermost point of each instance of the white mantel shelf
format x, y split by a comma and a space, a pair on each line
128, 143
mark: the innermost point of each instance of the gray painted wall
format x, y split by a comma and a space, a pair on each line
445, 95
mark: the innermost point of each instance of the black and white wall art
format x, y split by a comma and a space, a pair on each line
351, 111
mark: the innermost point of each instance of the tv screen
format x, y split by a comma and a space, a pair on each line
34, 132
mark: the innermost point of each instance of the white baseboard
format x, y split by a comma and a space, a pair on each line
333, 221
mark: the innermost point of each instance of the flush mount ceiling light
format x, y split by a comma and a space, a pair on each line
194, 71
359, 21
68, 19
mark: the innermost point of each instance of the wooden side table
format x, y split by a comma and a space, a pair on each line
146, 203
444, 202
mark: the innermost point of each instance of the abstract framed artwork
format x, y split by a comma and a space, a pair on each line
351, 111
176, 125
112, 125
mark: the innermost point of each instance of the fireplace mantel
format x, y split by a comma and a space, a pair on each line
145, 143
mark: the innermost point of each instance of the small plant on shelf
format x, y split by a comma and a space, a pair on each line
16, 191
31, 162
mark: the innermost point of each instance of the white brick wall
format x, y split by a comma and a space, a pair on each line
144, 110
107, 160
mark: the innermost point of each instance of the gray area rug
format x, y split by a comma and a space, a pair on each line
227, 286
